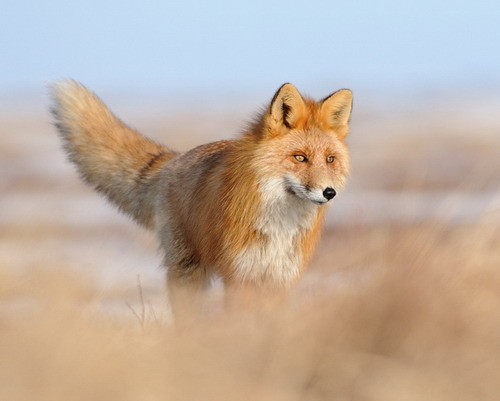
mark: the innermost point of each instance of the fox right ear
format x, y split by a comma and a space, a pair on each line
336, 111
287, 107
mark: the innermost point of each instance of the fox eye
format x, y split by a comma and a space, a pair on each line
300, 158
330, 159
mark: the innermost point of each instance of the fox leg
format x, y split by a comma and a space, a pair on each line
187, 292
248, 297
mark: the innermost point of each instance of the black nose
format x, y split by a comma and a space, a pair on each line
329, 193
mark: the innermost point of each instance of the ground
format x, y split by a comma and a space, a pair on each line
400, 302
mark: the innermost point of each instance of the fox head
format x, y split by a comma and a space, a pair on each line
301, 143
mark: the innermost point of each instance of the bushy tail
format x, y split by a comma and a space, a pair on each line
115, 159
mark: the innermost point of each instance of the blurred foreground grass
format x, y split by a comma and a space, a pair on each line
412, 314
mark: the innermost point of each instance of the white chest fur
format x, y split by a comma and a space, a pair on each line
278, 258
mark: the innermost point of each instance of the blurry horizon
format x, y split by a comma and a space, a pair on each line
228, 47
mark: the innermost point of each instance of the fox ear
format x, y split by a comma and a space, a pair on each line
287, 107
336, 111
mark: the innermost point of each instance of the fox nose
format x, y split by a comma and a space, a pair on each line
329, 193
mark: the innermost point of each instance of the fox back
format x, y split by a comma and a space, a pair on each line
248, 210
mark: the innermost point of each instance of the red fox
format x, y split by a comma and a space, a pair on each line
247, 210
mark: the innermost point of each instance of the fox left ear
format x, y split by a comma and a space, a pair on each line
336, 111
287, 107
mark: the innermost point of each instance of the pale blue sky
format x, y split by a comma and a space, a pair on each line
229, 46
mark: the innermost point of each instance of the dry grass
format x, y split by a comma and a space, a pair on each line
391, 309
413, 315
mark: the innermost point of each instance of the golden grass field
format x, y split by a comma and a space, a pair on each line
402, 301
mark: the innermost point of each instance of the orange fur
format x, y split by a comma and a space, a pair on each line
248, 210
